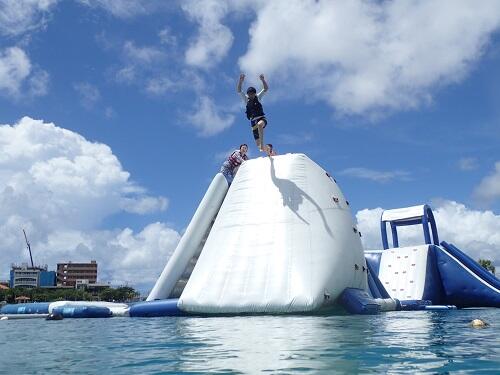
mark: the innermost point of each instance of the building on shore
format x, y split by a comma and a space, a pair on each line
69, 273
93, 288
24, 276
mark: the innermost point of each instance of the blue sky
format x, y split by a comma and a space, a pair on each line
399, 101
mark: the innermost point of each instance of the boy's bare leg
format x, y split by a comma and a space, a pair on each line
257, 142
260, 128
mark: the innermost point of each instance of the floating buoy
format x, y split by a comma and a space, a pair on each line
478, 323
4, 318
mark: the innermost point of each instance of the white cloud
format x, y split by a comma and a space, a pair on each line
141, 67
160, 86
377, 176
467, 164
477, 233
89, 94
20, 16
294, 139
109, 112
127, 74
142, 55
60, 187
214, 39
122, 8
122, 255
15, 67
208, 118
488, 189
167, 37
366, 56
38, 83
145, 205
18, 77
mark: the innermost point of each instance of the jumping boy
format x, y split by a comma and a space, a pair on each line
254, 110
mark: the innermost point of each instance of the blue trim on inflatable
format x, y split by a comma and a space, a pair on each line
425, 219
383, 232
394, 231
374, 259
432, 221
471, 264
82, 312
357, 301
414, 304
167, 307
440, 307
376, 287
433, 287
26, 308
461, 288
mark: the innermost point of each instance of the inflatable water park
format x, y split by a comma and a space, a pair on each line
281, 239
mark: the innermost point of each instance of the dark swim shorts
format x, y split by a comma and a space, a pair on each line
253, 124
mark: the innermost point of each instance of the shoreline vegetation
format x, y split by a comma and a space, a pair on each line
120, 294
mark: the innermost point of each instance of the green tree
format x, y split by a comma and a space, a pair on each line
120, 294
487, 265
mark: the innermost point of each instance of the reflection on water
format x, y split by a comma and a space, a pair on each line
271, 343
388, 343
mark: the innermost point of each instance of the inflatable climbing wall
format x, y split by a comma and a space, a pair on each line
282, 241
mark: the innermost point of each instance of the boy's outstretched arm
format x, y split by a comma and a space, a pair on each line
264, 83
240, 82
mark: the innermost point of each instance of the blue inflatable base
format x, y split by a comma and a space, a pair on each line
82, 312
465, 282
26, 308
358, 301
167, 307
414, 304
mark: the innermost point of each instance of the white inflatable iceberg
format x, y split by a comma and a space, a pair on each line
282, 240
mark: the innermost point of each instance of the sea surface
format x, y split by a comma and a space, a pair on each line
395, 342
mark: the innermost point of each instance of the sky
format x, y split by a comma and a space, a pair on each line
116, 114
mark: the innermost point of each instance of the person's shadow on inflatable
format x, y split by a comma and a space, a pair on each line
293, 196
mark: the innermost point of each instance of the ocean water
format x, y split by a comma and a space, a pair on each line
395, 342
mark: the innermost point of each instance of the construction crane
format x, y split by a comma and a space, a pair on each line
29, 248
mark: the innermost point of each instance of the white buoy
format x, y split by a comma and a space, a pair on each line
4, 318
478, 323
